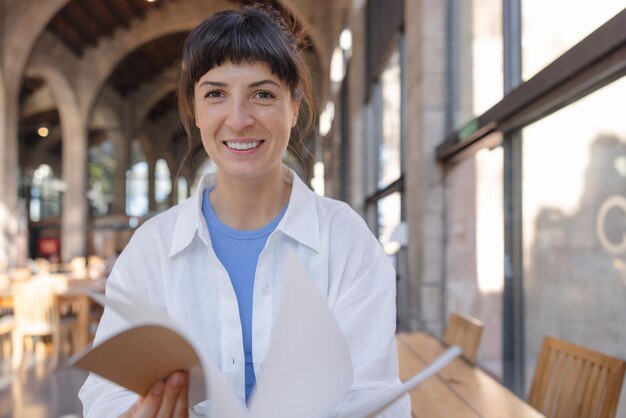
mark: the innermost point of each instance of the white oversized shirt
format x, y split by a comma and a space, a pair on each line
170, 261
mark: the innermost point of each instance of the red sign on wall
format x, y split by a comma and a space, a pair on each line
48, 247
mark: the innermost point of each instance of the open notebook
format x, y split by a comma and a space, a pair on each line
153, 345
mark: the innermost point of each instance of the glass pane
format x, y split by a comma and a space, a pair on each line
45, 192
183, 191
137, 189
574, 225
475, 248
478, 65
207, 167
389, 211
390, 148
163, 182
101, 172
548, 33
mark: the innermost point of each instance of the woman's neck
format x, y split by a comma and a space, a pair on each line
246, 205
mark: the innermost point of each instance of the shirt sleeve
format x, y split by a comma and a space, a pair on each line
366, 312
100, 397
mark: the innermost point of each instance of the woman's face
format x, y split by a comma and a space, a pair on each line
245, 115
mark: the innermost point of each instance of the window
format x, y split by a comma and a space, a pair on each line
476, 58
574, 224
383, 156
137, 184
389, 148
163, 184
101, 172
475, 244
45, 191
549, 28
183, 190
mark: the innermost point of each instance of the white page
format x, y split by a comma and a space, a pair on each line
308, 370
134, 309
377, 403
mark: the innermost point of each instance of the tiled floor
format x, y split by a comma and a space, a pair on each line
38, 391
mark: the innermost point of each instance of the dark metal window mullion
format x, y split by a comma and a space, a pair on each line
513, 329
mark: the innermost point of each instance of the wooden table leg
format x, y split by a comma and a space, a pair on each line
82, 337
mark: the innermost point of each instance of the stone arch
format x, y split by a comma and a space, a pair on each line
98, 63
74, 137
25, 22
151, 93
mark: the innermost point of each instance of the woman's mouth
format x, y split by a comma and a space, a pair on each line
243, 145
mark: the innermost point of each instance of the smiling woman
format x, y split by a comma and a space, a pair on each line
215, 262
245, 114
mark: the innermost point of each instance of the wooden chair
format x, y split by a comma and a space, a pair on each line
575, 382
20, 273
7, 324
36, 313
465, 332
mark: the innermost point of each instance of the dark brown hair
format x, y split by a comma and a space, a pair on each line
255, 34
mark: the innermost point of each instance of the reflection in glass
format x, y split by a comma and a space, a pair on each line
574, 225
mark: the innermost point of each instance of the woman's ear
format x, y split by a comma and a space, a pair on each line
296, 111
193, 109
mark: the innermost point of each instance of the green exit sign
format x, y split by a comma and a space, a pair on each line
468, 130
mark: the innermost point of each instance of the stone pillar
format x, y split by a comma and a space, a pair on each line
152, 206
8, 168
425, 34
356, 80
122, 155
74, 214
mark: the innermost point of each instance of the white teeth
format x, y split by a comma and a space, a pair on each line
242, 145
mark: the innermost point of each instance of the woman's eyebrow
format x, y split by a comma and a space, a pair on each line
262, 82
213, 83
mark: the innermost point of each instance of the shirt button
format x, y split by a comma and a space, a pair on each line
266, 288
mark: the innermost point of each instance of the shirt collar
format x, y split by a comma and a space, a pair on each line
300, 221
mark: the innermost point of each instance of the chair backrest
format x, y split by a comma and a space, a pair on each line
575, 382
20, 273
35, 308
465, 332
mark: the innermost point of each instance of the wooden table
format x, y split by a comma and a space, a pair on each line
77, 295
460, 390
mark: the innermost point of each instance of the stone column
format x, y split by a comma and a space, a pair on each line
356, 80
425, 34
122, 155
74, 216
8, 167
152, 206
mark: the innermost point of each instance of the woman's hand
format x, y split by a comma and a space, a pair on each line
165, 400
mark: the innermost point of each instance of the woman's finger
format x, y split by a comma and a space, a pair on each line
181, 410
173, 386
148, 406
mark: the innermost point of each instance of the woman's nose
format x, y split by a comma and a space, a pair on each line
239, 116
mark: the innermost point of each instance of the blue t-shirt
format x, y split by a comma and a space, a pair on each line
239, 251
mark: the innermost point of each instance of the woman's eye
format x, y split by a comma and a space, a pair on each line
265, 95
213, 94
